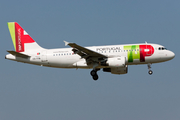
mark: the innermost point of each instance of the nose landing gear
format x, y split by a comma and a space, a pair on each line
150, 72
149, 67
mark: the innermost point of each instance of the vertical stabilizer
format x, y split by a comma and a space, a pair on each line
21, 39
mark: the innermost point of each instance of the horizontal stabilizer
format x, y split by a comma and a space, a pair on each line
18, 54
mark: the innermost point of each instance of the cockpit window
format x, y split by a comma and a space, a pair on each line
162, 48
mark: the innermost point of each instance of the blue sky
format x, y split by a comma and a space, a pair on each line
32, 92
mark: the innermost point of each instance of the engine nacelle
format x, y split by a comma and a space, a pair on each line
117, 70
116, 62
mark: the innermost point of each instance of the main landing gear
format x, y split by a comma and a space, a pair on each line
94, 74
94, 71
149, 67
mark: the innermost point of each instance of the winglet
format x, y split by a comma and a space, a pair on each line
66, 43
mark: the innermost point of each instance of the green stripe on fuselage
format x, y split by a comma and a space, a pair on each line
133, 52
11, 26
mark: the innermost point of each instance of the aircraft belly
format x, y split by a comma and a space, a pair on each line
61, 62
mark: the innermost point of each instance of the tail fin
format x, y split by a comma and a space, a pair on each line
21, 40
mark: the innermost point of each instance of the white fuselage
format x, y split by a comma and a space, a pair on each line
65, 58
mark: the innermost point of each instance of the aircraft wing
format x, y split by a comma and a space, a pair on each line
84, 52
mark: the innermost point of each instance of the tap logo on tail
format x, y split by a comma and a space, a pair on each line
19, 36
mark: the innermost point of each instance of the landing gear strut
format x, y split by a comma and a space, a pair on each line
149, 67
94, 74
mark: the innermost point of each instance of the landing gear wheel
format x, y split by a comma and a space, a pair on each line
150, 72
95, 77
149, 67
93, 72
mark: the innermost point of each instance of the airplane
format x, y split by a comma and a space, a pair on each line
111, 58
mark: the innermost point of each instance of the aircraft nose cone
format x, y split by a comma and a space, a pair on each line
171, 55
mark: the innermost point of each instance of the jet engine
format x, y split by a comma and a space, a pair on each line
117, 70
114, 62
